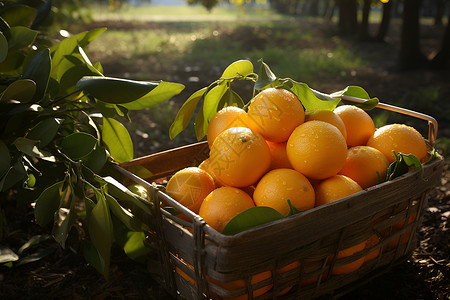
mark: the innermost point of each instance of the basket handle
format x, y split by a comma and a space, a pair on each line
432, 123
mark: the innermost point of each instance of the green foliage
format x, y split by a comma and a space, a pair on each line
220, 94
61, 130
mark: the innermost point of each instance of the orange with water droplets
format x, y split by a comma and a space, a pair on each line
400, 138
328, 116
190, 186
317, 149
278, 155
335, 188
227, 117
365, 165
275, 113
239, 157
222, 204
358, 124
280, 185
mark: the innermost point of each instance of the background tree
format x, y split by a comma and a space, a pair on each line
348, 20
385, 21
410, 55
442, 58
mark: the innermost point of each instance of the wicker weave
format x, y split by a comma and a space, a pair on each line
312, 238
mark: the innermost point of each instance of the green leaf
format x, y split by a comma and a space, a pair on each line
64, 217
3, 47
15, 174
33, 241
78, 145
292, 209
266, 77
212, 99
48, 204
21, 90
7, 255
93, 257
96, 159
118, 140
5, 161
126, 197
21, 37
101, 229
45, 131
5, 28
31, 148
250, 218
39, 70
201, 126
185, 112
358, 92
12, 62
70, 77
402, 165
19, 15
164, 91
88, 63
115, 90
134, 247
126, 217
312, 99
69, 46
238, 68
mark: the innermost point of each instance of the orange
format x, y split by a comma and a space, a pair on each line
365, 165
317, 149
274, 113
371, 242
352, 266
239, 157
190, 186
406, 235
287, 268
227, 117
241, 283
186, 276
279, 185
334, 188
399, 138
205, 165
222, 204
278, 154
328, 116
358, 124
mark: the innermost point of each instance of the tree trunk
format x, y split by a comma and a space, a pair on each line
385, 21
410, 54
348, 21
440, 10
364, 28
442, 59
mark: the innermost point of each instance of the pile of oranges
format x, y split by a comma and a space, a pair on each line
276, 151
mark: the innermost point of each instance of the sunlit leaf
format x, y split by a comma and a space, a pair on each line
21, 37
251, 218
115, 90
7, 255
357, 92
185, 113
134, 247
240, 67
78, 145
201, 126
118, 140
64, 217
164, 91
402, 165
34, 240
126, 217
31, 148
212, 100
265, 77
312, 100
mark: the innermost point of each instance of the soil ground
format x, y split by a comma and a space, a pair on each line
63, 273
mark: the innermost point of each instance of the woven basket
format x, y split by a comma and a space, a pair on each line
293, 258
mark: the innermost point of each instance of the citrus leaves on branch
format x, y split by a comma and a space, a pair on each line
220, 94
